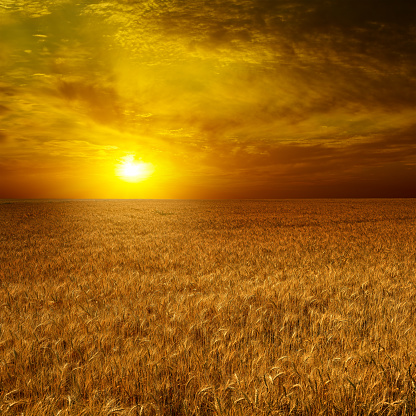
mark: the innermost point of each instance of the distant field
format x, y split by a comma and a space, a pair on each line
301, 307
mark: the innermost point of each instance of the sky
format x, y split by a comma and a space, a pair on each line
207, 99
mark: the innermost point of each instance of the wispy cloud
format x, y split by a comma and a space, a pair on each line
236, 92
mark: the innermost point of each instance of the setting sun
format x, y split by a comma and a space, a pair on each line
130, 170
109, 99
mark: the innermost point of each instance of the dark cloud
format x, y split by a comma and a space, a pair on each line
322, 54
7, 90
368, 24
351, 14
101, 103
391, 157
3, 109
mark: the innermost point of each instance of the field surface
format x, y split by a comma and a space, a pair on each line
300, 307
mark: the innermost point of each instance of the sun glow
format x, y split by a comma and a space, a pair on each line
130, 170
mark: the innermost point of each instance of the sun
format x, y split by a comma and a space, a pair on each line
130, 170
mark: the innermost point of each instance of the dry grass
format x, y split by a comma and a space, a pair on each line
208, 308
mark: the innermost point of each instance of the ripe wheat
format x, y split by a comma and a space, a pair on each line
208, 307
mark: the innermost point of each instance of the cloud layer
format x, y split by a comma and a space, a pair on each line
230, 98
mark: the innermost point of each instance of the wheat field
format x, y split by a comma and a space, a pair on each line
272, 307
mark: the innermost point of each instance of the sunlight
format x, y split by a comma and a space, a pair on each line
130, 170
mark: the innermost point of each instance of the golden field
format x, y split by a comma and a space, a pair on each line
291, 307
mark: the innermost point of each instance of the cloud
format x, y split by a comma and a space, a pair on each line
3, 109
249, 91
269, 169
100, 103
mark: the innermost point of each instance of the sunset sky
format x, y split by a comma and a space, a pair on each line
209, 99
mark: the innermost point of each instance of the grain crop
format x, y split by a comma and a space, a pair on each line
257, 307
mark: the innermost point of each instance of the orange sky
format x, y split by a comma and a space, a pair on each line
222, 99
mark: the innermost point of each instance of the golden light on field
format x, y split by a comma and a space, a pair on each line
130, 170
254, 307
